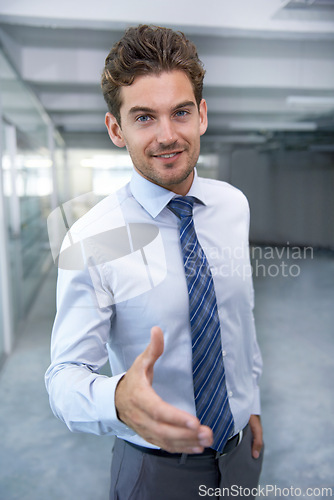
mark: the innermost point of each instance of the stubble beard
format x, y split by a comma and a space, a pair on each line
169, 180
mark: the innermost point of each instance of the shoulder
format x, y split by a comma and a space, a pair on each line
105, 215
221, 192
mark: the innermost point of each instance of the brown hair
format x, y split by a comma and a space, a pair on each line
144, 50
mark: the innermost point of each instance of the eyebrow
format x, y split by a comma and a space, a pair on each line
145, 109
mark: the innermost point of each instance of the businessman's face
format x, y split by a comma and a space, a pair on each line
161, 127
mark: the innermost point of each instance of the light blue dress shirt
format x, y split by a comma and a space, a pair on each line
120, 273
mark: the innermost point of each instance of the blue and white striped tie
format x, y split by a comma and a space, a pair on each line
212, 406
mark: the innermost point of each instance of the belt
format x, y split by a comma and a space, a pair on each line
232, 443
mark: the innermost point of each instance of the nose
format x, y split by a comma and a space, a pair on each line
166, 133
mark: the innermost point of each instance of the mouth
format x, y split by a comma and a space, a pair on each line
168, 156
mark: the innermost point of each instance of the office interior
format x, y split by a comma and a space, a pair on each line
269, 87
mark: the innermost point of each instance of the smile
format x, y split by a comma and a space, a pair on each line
170, 155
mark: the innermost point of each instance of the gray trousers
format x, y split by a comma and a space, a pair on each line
136, 475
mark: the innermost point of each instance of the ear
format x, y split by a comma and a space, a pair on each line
203, 117
114, 130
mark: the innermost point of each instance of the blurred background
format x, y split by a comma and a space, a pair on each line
269, 87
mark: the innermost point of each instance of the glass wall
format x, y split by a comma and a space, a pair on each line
2, 332
30, 150
3, 265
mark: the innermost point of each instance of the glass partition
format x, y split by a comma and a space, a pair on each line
28, 159
3, 265
2, 333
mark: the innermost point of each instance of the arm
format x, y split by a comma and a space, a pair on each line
79, 395
85, 400
255, 419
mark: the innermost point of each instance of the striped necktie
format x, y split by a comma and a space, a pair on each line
212, 406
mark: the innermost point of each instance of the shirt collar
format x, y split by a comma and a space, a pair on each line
154, 198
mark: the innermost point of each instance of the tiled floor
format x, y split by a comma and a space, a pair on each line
41, 460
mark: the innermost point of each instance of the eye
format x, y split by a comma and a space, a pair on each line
181, 113
143, 118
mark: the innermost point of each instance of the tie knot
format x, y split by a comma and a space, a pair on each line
182, 206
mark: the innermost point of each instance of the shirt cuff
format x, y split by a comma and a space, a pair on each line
106, 409
256, 406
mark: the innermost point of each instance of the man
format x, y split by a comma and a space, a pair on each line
157, 278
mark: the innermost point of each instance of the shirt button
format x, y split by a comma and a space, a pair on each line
230, 394
224, 353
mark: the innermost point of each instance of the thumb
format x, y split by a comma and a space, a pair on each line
153, 351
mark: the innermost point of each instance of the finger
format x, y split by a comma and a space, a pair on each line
153, 351
156, 345
174, 421
162, 412
179, 439
256, 448
170, 428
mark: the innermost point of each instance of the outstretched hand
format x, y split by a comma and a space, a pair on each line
158, 422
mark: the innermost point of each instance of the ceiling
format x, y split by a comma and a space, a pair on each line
269, 64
